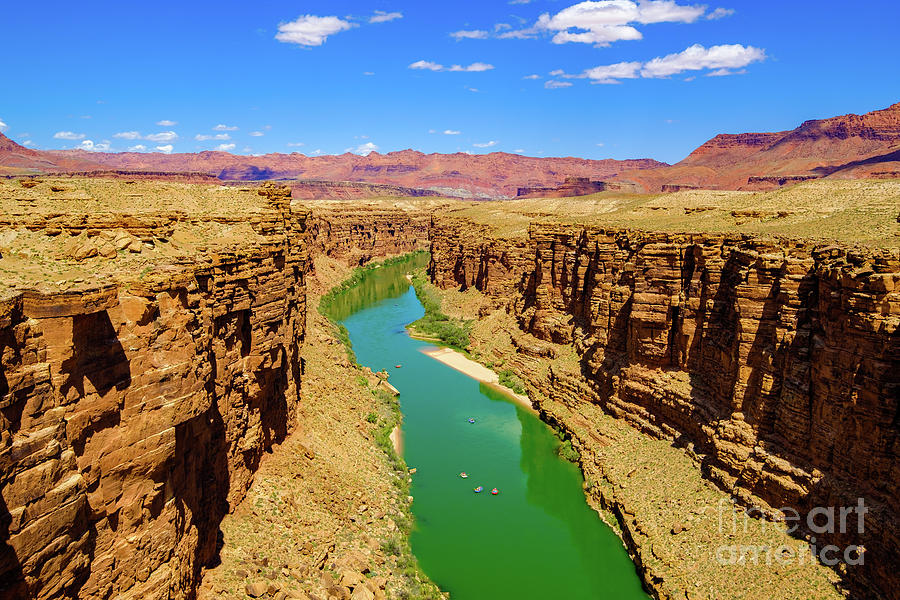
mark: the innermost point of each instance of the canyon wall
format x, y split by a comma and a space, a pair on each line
356, 235
776, 362
132, 417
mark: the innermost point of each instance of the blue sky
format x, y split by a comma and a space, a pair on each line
609, 79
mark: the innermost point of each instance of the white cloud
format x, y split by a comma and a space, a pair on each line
295, 144
553, 84
162, 136
720, 13
606, 21
519, 151
532, 77
27, 143
489, 144
225, 147
363, 149
474, 34
722, 59
128, 135
729, 59
668, 11
381, 16
3, 126
310, 30
599, 36
368, 73
137, 148
427, 65
68, 135
167, 149
222, 127
473, 90
476, 67
167, 123
520, 1
451, 132
613, 73
202, 137
256, 134
316, 152
90, 146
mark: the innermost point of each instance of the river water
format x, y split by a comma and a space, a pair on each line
537, 538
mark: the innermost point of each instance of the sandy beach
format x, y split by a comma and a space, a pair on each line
397, 440
456, 360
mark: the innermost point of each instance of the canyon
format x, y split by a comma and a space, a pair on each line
153, 356
774, 361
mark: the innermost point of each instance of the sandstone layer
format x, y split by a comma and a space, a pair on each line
774, 361
135, 411
359, 232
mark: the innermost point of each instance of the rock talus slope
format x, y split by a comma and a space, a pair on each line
775, 361
133, 416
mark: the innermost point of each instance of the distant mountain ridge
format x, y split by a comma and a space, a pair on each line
483, 175
847, 146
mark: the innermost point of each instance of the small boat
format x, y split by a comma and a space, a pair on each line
478, 490
464, 475
398, 366
471, 420
495, 491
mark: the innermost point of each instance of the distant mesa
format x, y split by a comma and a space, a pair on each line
577, 186
248, 173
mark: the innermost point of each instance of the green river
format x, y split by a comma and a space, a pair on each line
537, 538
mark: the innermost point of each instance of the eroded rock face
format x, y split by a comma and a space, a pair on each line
778, 361
357, 235
133, 417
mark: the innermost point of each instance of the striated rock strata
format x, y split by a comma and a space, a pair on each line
133, 416
359, 234
777, 362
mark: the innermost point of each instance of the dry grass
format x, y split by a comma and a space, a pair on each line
36, 243
862, 211
118, 196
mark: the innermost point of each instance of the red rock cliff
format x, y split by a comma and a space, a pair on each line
132, 418
777, 362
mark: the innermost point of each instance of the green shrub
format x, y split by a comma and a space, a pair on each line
567, 452
512, 381
451, 332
